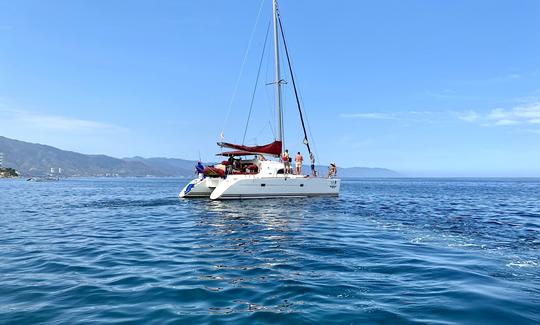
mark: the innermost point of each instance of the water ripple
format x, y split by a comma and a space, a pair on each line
386, 251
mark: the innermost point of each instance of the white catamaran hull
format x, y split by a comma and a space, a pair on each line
200, 187
275, 187
249, 187
268, 183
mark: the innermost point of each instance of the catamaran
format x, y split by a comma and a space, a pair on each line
243, 178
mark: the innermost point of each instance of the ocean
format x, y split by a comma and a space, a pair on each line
387, 251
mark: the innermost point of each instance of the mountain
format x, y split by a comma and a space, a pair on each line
352, 172
169, 166
31, 159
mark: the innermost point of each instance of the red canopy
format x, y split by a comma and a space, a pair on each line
273, 148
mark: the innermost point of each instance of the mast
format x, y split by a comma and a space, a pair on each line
279, 112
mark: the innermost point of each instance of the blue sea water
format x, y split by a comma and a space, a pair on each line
387, 251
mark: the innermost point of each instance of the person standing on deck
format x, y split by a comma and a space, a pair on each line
286, 162
199, 169
312, 158
229, 166
298, 163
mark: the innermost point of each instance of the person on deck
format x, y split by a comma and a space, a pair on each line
199, 169
298, 163
286, 162
332, 170
312, 158
229, 167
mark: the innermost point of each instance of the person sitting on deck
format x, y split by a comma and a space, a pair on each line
332, 170
298, 163
199, 169
237, 165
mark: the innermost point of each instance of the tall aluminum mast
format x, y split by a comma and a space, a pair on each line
279, 112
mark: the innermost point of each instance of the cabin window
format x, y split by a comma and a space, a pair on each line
263, 185
301, 185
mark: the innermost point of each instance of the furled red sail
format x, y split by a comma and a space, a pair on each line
273, 148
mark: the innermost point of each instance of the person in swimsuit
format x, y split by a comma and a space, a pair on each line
298, 163
332, 170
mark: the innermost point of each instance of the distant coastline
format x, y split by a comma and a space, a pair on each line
31, 159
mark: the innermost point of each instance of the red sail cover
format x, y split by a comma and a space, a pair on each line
273, 148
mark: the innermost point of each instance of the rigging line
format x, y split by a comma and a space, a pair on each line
256, 83
269, 100
270, 110
306, 142
272, 129
242, 66
313, 141
310, 132
268, 126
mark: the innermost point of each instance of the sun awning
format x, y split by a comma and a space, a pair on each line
273, 148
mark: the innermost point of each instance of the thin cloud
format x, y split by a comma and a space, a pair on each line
470, 116
445, 93
535, 131
407, 116
521, 114
499, 79
513, 76
370, 116
33, 120
506, 122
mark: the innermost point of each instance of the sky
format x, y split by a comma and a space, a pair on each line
426, 88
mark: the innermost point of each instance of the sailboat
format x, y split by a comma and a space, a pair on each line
243, 178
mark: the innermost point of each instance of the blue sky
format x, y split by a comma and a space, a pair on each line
427, 88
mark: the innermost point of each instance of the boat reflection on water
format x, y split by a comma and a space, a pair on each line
256, 227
